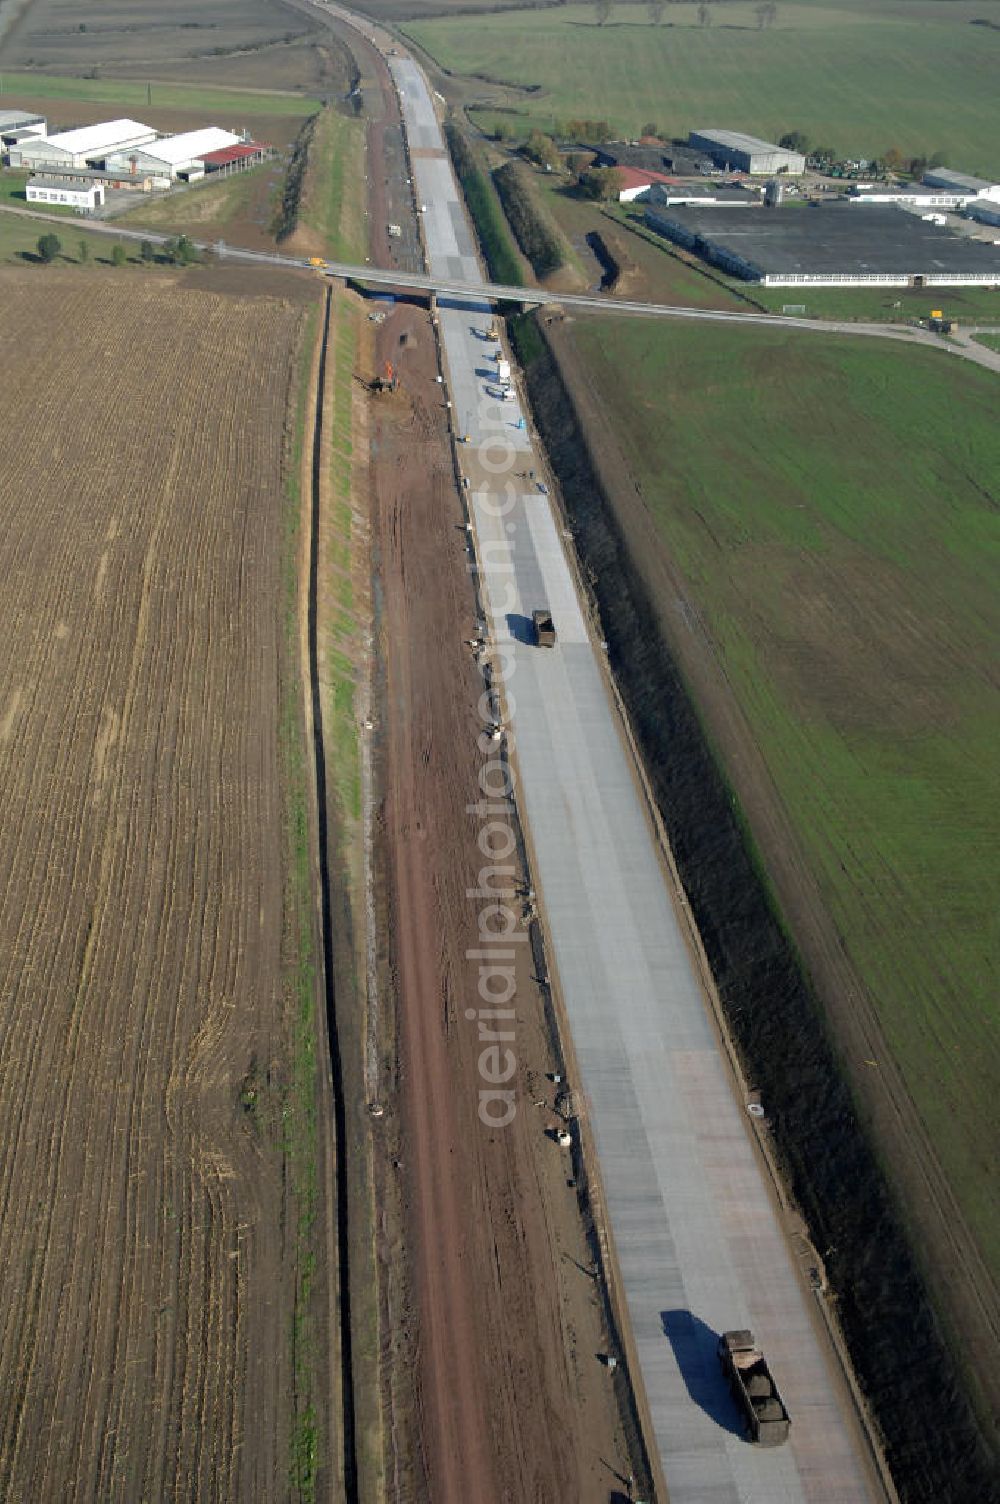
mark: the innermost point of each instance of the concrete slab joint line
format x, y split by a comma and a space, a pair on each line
697, 1234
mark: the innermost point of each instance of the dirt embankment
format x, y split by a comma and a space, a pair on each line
934, 1446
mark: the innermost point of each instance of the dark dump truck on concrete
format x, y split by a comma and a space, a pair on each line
754, 1389
545, 632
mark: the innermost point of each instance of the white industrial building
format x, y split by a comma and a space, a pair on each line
86, 145
742, 153
910, 195
940, 189
172, 157
702, 195
961, 183
78, 193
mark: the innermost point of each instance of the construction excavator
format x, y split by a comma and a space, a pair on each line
388, 382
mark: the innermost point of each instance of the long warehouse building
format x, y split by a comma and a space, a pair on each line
742, 153
83, 147
172, 157
830, 246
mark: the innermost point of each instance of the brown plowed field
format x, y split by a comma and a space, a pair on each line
149, 1243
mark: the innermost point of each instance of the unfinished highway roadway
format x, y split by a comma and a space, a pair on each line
698, 1241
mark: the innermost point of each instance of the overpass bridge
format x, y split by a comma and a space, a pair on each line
456, 292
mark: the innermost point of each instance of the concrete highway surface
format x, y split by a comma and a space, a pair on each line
696, 1230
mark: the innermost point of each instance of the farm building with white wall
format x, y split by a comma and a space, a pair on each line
742, 153
702, 195
79, 148
634, 181
172, 157
78, 193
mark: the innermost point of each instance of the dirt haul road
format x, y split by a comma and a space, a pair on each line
151, 1239
492, 1317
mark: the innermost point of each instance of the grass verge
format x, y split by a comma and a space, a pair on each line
332, 205
300, 1105
491, 228
163, 96
810, 496
209, 208
537, 235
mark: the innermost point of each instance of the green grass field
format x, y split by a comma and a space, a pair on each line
19, 237
334, 199
164, 96
991, 341
915, 74
834, 507
898, 305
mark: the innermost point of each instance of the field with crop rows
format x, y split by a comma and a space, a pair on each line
99, 35
147, 1022
917, 74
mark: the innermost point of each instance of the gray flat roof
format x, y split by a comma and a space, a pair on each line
712, 193
943, 177
834, 238
65, 183
89, 174
11, 119
740, 141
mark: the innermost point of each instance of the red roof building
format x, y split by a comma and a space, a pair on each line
242, 155
635, 180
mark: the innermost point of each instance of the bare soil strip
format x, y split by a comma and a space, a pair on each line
493, 1320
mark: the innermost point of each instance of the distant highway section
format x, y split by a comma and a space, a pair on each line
696, 1230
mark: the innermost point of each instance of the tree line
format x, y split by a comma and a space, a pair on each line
891, 160
765, 14
177, 252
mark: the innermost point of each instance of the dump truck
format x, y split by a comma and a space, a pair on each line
545, 632
753, 1388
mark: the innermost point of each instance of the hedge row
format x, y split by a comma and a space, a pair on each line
501, 258
286, 220
538, 239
